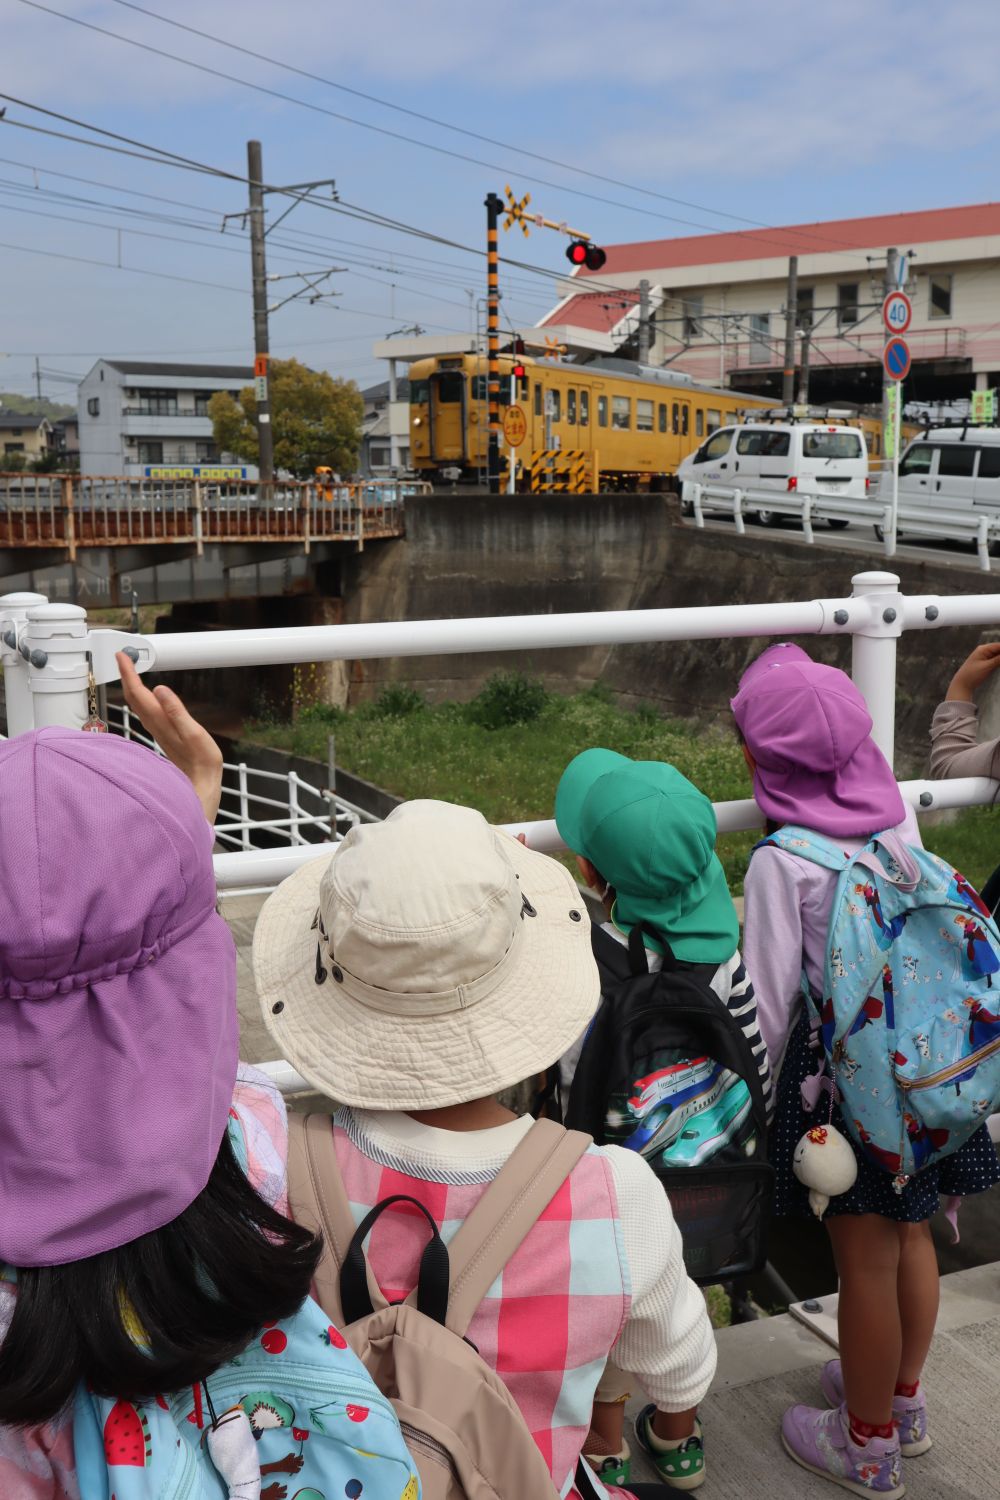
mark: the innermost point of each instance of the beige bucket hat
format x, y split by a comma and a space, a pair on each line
431, 960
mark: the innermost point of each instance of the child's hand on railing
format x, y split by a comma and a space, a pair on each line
185, 742
973, 672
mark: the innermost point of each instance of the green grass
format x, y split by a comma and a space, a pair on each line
510, 772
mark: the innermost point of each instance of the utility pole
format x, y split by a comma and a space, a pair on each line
38, 378
265, 435
644, 322
494, 206
804, 366
791, 316
888, 285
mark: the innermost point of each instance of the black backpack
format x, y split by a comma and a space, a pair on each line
666, 1070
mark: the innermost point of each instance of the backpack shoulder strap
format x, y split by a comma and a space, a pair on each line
808, 845
318, 1201
522, 1191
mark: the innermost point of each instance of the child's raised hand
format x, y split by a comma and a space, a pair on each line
185, 742
977, 667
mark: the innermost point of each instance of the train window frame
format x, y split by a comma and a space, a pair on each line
661, 417
621, 407
685, 419
571, 405
451, 380
554, 396
713, 419
538, 398
479, 389
602, 411
644, 414
675, 425
584, 412
699, 422
420, 391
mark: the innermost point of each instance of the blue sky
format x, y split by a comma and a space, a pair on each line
773, 113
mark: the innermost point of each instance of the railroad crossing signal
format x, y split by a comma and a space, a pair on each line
584, 253
553, 348
515, 211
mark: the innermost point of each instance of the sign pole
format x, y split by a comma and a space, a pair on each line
513, 456
493, 206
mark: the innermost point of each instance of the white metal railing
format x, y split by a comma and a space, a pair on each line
808, 506
45, 650
247, 810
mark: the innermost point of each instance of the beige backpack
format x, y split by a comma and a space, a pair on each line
465, 1433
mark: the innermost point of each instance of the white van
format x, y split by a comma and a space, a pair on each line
823, 457
950, 467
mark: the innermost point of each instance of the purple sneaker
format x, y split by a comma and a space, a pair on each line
820, 1441
908, 1412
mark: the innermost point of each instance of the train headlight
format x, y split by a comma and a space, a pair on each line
417, 421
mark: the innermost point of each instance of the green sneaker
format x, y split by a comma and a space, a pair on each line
614, 1468
681, 1467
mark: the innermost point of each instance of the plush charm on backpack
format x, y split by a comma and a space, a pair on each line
825, 1164
910, 1014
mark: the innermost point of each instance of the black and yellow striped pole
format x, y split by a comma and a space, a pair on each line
494, 207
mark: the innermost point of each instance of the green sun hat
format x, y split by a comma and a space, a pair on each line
651, 834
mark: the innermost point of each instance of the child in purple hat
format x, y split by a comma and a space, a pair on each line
141, 1175
806, 733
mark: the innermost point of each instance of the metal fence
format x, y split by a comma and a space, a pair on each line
45, 650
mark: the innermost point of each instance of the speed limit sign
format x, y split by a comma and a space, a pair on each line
897, 310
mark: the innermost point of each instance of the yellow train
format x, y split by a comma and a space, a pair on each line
634, 425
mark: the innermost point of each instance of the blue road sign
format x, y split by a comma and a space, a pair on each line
896, 359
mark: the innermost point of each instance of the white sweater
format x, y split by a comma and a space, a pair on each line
667, 1342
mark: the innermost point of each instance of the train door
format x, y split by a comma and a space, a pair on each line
448, 416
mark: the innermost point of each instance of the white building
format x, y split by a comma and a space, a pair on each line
385, 429
139, 418
717, 303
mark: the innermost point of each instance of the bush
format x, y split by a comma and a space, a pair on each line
324, 714
508, 698
397, 701
648, 715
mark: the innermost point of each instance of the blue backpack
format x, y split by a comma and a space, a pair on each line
910, 1014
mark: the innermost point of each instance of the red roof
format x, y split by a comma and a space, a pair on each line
599, 312
837, 235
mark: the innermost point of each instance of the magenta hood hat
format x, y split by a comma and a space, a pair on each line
118, 1027
809, 732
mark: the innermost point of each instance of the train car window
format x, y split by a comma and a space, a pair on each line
685, 420
420, 392
602, 411
699, 423
662, 417
713, 419
571, 405
621, 412
584, 408
643, 416
538, 398
554, 405
677, 418
450, 387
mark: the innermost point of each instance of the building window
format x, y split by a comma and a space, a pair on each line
94, 406
602, 411
158, 403
584, 408
662, 417
940, 304
643, 416
804, 307
201, 400
206, 453
699, 423
621, 413
760, 339
847, 303
571, 406
151, 453
13, 447
693, 308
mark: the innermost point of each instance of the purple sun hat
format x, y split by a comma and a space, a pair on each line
809, 731
118, 1025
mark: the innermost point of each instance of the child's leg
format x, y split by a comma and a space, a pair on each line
867, 1251
918, 1295
608, 1422
671, 1426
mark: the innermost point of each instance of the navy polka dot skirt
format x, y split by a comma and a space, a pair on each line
973, 1168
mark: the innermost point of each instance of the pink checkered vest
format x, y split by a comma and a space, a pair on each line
550, 1320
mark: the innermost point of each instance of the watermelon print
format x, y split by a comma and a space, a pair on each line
126, 1437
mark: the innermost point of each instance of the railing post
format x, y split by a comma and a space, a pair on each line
699, 514
738, 520
294, 835
361, 520
70, 513
199, 525
244, 806
873, 653
57, 640
306, 518
17, 694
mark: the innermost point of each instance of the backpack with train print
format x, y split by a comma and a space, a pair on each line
910, 1011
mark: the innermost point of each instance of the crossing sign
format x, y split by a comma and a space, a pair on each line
515, 211
896, 359
897, 310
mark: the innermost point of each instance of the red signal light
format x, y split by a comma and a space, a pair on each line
519, 372
576, 253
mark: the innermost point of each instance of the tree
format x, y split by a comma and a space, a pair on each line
316, 420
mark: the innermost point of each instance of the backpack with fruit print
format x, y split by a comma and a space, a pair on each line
295, 1417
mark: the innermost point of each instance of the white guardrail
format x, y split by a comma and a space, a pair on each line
980, 529
47, 650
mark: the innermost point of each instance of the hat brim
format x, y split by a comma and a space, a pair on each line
704, 929
376, 1059
575, 784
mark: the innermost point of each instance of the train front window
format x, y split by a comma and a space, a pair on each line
584, 408
643, 416
571, 405
621, 413
420, 392
450, 387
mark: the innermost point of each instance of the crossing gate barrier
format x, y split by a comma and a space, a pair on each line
563, 470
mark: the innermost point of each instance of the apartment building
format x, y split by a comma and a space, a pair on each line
147, 419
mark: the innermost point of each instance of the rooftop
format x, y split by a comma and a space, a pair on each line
152, 367
29, 420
